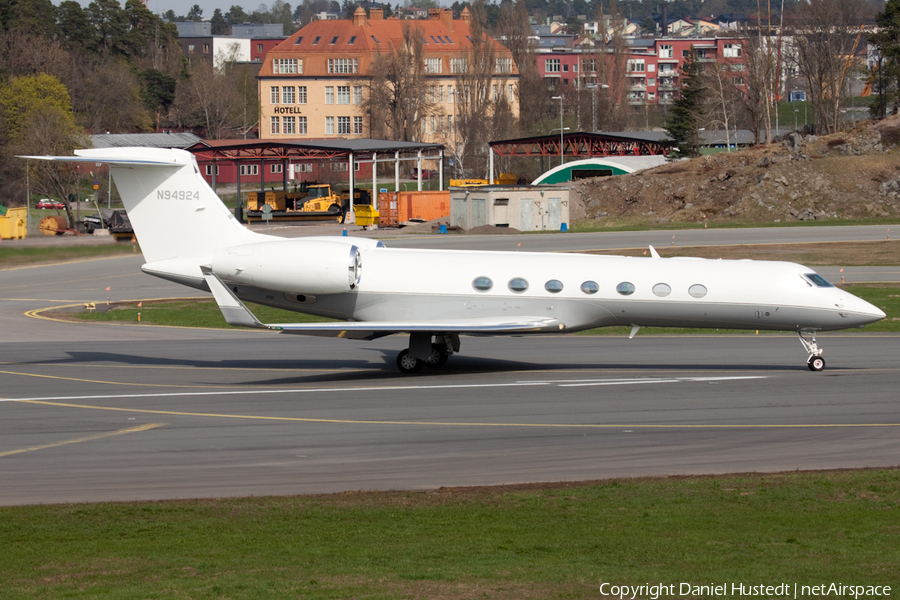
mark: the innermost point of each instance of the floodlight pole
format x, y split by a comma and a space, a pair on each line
562, 159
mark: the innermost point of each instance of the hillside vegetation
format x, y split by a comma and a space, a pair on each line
849, 175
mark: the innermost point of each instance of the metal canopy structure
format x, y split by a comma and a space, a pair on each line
582, 144
352, 151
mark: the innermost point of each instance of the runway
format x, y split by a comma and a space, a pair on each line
120, 412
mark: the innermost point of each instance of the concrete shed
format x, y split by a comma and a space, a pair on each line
522, 207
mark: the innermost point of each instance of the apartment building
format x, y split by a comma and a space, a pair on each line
653, 66
312, 85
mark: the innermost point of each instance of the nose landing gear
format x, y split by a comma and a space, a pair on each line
815, 362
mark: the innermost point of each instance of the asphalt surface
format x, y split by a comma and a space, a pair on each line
126, 412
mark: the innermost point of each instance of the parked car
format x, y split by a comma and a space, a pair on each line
49, 203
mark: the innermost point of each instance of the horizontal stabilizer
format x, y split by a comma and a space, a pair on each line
112, 160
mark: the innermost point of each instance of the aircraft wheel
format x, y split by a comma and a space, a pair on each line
409, 364
438, 357
816, 363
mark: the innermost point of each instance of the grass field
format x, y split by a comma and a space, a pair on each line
522, 542
18, 257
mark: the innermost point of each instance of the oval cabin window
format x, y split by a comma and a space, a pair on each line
517, 284
590, 287
697, 290
662, 290
482, 284
553, 286
625, 288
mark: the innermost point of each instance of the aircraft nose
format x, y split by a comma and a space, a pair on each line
861, 312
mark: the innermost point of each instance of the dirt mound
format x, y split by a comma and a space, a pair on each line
848, 175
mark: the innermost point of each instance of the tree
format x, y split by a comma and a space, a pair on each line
683, 120
195, 14
887, 39
158, 91
75, 26
35, 17
218, 24
235, 15
827, 36
37, 119
515, 30
396, 101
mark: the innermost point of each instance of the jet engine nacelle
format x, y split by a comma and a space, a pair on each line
307, 266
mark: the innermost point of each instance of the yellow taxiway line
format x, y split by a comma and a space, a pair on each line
89, 438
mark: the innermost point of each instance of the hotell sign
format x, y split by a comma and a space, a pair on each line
287, 110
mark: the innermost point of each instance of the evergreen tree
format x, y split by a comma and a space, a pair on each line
887, 38
683, 119
218, 24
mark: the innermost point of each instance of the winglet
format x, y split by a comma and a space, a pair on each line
234, 311
635, 328
653, 252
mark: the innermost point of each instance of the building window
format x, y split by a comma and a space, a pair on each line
357, 127
273, 94
732, 51
329, 125
343, 65
276, 168
287, 66
588, 65
209, 169
341, 166
738, 66
329, 94
651, 81
440, 123
449, 123
433, 65
565, 68
451, 96
190, 48
259, 49
459, 65
494, 93
666, 51
440, 94
287, 95
433, 125
301, 94
551, 65
511, 93
290, 125
274, 127
343, 124
503, 65
635, 66
249, 170
343, 94
737, 80
206, 49
357, 94
301, 125
306, 167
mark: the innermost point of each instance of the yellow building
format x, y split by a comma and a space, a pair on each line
319, 82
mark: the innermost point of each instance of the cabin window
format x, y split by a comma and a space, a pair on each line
625, 288
482, 284
697, 290
590, 287
818, 280
662, 290
517, 284
553, 286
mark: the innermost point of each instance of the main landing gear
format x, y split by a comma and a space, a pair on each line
815, 362
423, 352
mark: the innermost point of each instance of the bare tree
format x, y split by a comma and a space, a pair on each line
211, 98
396, 101
759, 74
827, 34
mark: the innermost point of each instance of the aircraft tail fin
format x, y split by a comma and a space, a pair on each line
174, 212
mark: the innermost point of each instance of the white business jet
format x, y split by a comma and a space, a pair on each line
188, 236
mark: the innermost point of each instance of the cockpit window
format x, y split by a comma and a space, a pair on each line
818, 280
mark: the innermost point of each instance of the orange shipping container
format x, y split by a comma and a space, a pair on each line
395, 208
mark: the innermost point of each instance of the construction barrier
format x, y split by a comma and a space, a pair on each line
396, 208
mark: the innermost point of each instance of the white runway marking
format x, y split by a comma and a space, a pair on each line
559, 383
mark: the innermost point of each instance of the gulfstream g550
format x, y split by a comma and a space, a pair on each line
188, 236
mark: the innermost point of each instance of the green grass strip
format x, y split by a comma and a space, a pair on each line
17, 257
553, 541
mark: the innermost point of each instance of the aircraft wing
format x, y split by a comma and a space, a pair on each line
238, 315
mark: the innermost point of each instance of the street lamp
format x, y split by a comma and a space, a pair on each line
561, 129
595, 87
